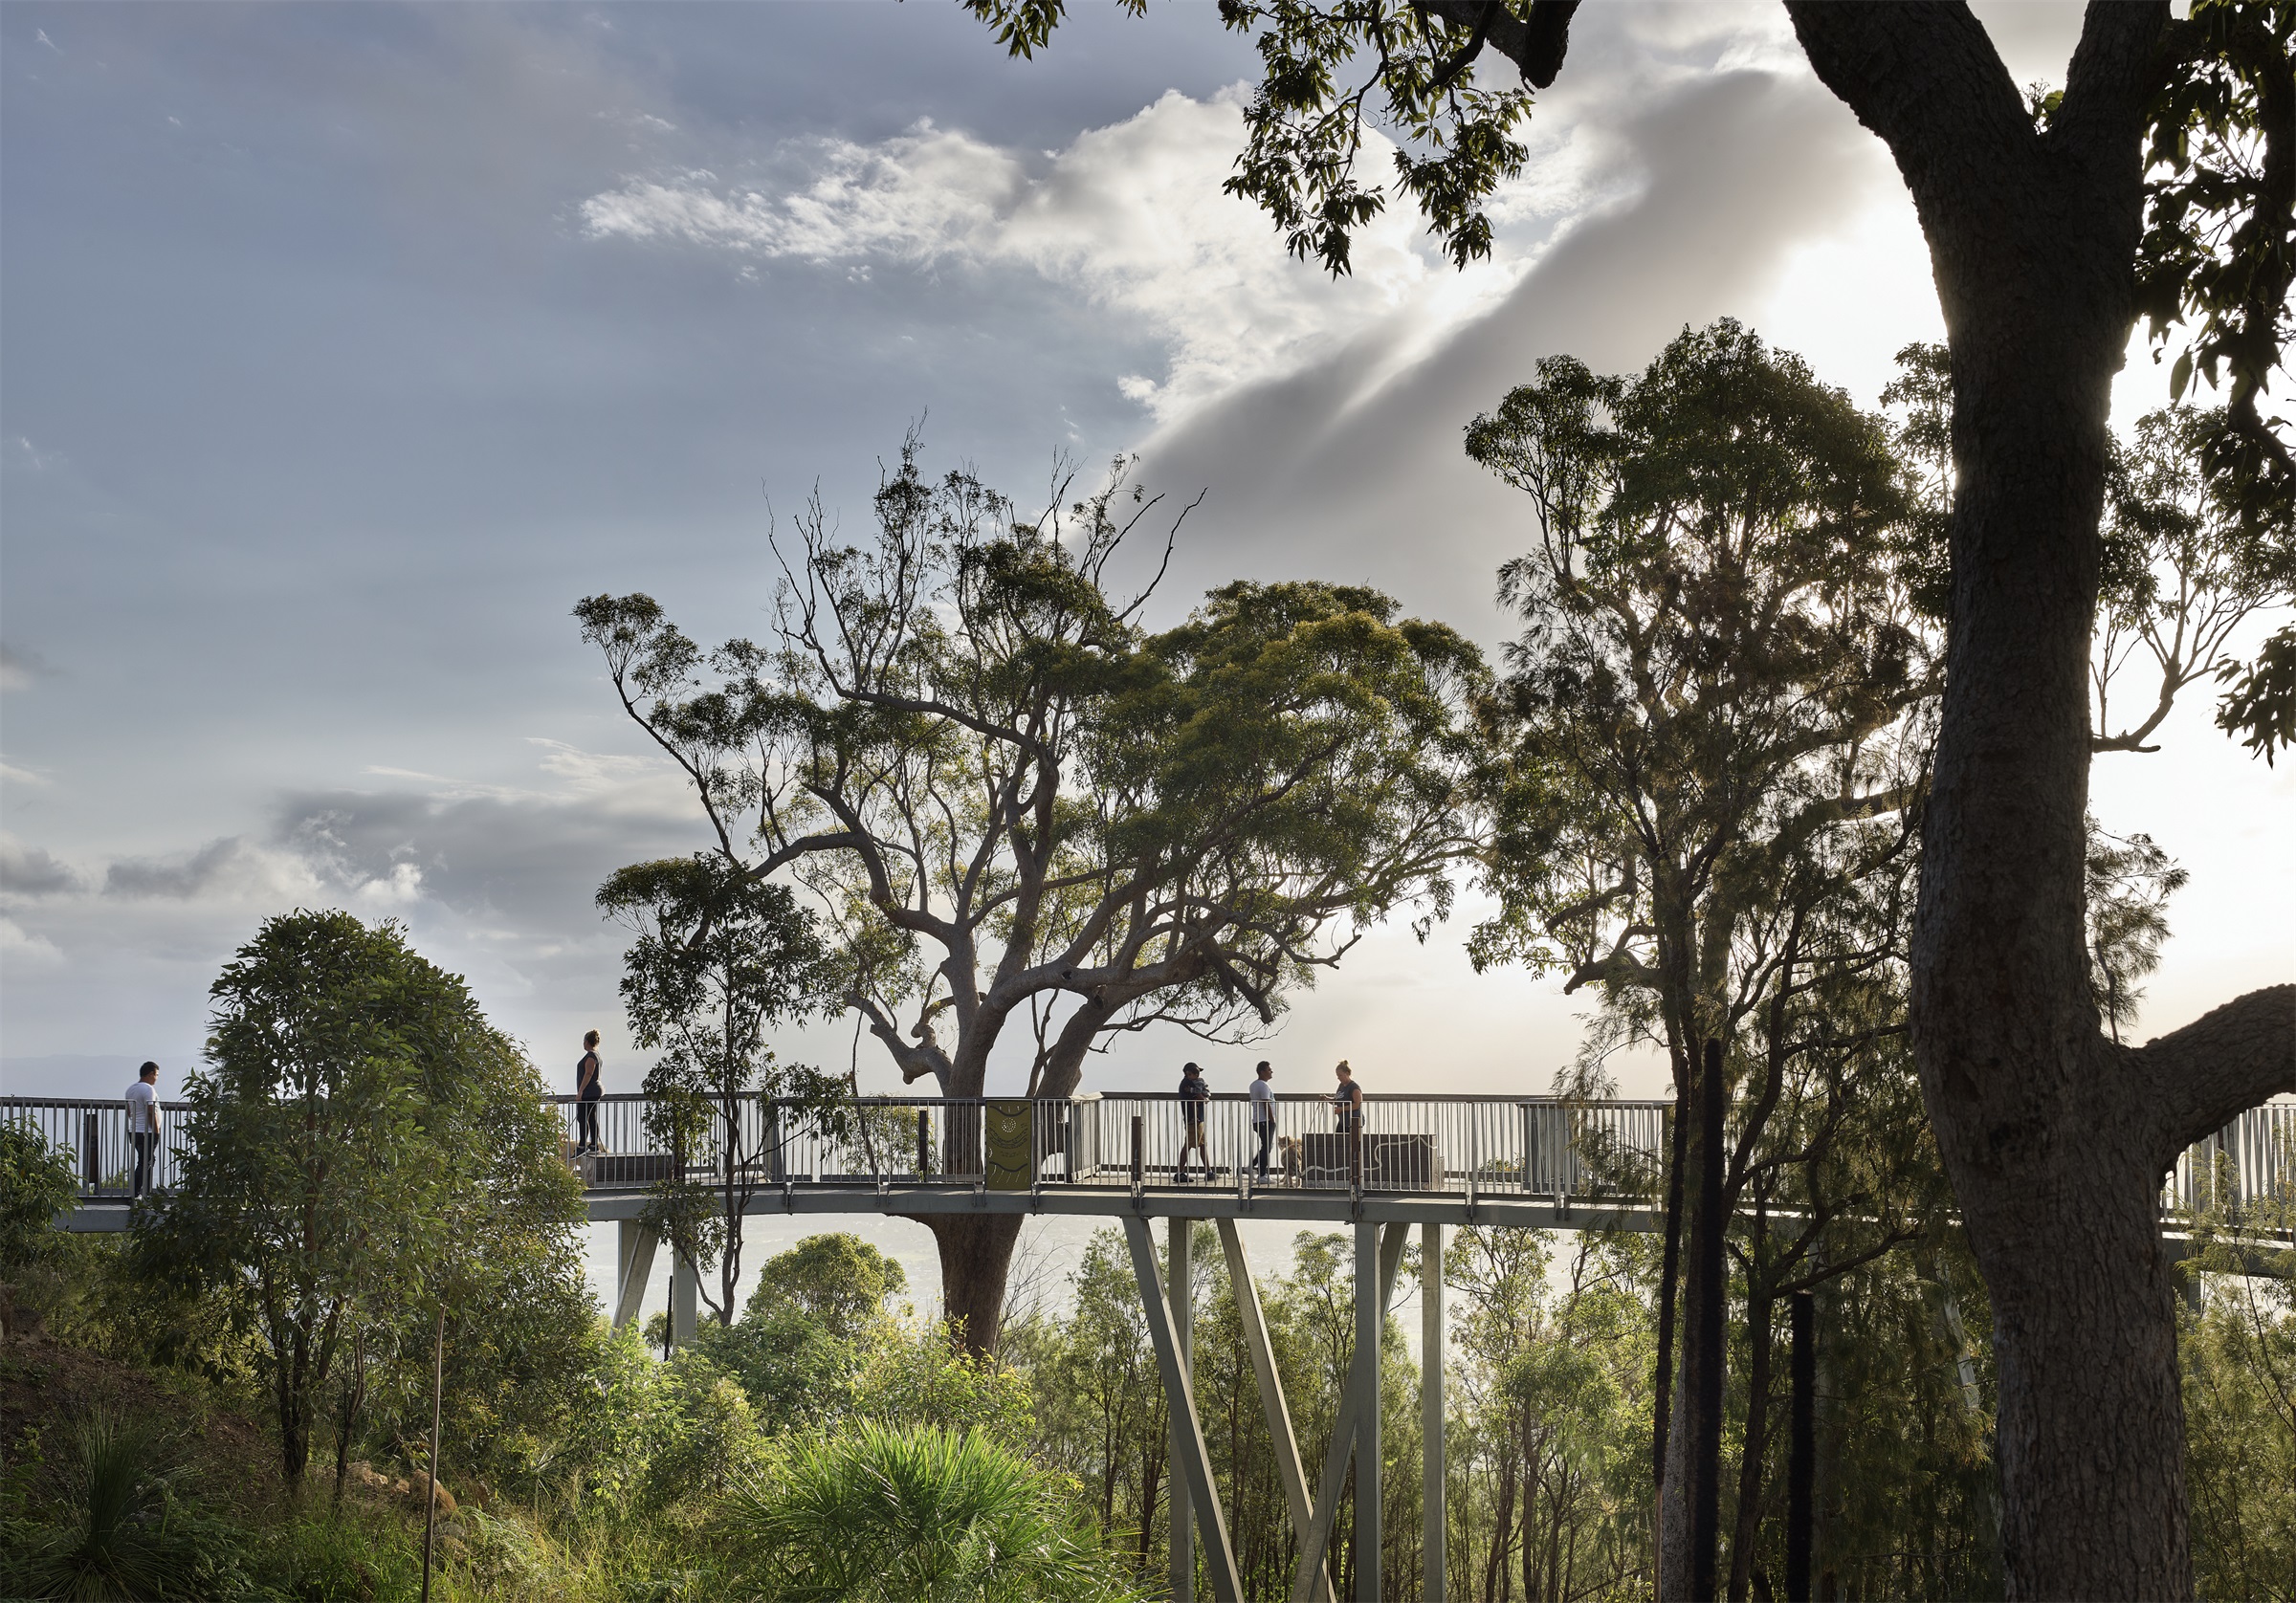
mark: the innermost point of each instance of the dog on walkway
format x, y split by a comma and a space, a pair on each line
1288, 1148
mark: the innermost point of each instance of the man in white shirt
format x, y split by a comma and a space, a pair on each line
1263, 1115
143, 1123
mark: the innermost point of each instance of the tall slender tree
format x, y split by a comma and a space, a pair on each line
1723, 684
718, 958
2161, 182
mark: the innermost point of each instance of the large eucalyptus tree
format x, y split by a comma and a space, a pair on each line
1011, 802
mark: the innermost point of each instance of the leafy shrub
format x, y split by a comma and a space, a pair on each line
702, 1437
880, 1514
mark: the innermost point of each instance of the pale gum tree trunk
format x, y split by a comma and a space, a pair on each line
2055, 1138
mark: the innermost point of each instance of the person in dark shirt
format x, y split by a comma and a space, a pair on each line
587, 1088
1195, 1099
1348, 1099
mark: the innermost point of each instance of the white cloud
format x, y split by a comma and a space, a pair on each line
230, 871
1131, 216
18, 946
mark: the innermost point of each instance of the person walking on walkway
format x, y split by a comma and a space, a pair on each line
144, 1124
586, 1086
1263, 1116
1195, 1099
1348, 1099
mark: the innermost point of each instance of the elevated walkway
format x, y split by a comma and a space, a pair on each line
1418, 1163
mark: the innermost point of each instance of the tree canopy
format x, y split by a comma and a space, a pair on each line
361, 1147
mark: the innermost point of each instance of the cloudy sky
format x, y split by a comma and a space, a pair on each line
348, 345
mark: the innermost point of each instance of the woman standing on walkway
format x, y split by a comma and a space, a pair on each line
586, 1086
1195, 1099
1348, 1099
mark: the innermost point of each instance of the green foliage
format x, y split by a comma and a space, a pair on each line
1008, 797
2260, 703
878, 1513
2183, 569
924, 1376
702, 1436
809, 1328
837, 1280
112, 1307
1410, 69
719, 956
1908, 1501
2130, 881
362, 1145
2219, 254
113, 1522
1721, 660
1550, 1400
2238, 1349
36, 1183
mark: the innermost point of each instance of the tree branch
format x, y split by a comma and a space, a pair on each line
2193, 1081
1535, 46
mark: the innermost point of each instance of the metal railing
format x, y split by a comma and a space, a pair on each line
2251, 1158
1468, 1146
94, 1134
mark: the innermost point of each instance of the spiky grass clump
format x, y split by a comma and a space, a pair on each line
115, 1527
884, 1514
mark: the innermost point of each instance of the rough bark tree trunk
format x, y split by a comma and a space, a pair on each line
1710, 1289
1662, 1395
1690, 1498
976, 1256
2055, 1138
1746, 1530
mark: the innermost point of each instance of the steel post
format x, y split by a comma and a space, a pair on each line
1180, 1295
1430, 1408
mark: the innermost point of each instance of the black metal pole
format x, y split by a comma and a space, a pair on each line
924, 1143
1801, 1450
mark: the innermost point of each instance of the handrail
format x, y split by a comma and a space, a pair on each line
1479, 1146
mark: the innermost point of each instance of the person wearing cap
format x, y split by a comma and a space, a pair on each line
1195, 1099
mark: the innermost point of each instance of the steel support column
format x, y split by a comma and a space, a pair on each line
1180, 1294
1192, 1465
1431, 1409
685, 1298
1286, 1445
1353, 1404
633, 1259
1370, 1307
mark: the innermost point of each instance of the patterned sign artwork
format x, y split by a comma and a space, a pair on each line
1009, 1168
